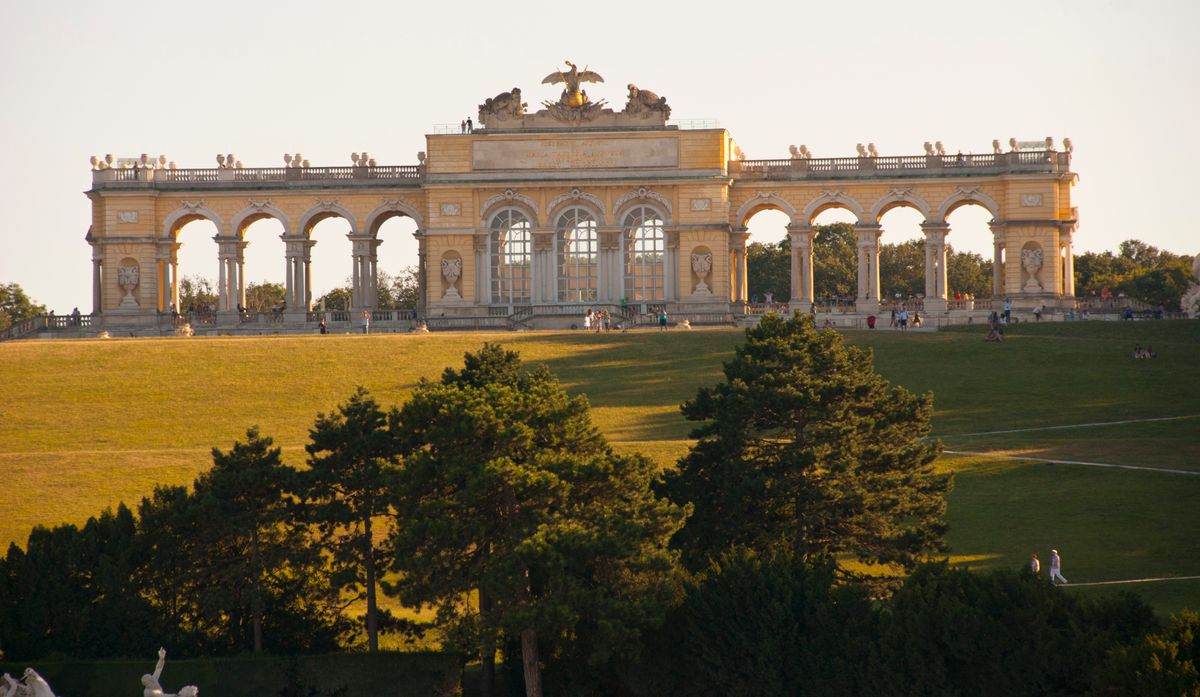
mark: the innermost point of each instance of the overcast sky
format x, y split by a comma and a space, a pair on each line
189, 80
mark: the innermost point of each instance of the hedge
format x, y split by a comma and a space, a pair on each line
408, 674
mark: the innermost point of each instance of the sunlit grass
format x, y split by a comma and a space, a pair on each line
86, 424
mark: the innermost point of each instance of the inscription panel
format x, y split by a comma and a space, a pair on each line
606, 153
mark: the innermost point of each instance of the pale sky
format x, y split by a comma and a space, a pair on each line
189, 80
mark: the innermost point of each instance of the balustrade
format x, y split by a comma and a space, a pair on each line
913, 165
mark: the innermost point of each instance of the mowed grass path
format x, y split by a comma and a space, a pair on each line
86, 424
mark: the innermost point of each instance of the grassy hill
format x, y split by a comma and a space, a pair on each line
86, 424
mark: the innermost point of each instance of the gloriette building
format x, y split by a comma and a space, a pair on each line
536, 215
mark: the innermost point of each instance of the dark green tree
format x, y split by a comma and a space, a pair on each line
346, 494
509, 492
835, 265
15, 305
264, 296
1164, 663
1162, 285
902, 269
395, 292
260, 566
805, 445
769, 269
196, 294
968, 272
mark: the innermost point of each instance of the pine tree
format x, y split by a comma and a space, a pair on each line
805, 445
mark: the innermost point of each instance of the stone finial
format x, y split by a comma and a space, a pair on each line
95, 162
996, 147
421, 156
805, 152
171, 165
1049, 143
1012, 143
221, 161
371, 162
162, 161
862, 151
871, 150
941, 149
1067, 145
794, 152
928, 148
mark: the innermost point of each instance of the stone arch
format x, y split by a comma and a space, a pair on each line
901, 197
188, 212
765, 201
391, 209
558, 208
832, 199
963, 196
323, 210
256, 212
641, 197
490, 213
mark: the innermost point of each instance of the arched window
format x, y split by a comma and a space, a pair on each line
511, 250
577, 256
645, 255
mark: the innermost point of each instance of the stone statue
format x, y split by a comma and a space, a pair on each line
1031, 261
451, 271
35, 685
792, 150
862, 151
941, 150
871, 150
643, 101
1067, 145
505, 105
805, 152
702, 265
996, 147
928, 149
12, 688
151, 686
127, 279
572, 96
1012, 143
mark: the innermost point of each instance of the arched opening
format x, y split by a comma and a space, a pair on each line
835, 258
644, 242
577, 254
902, 258
195, 268
398, 258
768, 257
971, 257
263, 265
330, 272
510, 248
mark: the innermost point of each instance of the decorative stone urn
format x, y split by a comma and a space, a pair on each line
127, 279
702, 265
1031, 261
451, 271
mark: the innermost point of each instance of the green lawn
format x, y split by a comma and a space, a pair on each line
85, 424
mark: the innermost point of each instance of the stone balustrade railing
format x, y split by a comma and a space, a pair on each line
228, 177
906, 165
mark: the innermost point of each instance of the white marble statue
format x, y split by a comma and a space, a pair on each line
35, 685
451, 271
1031, 261
702, 265
152, 688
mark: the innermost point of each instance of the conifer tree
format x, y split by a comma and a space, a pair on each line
805, 445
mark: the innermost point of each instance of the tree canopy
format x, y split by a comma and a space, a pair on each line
804, 445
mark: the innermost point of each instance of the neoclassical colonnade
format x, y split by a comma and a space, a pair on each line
297, 260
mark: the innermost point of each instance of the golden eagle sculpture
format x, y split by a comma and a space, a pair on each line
572, 96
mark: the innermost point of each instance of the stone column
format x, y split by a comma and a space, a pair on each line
801, 238
97, 281
298, 258
545, 276
997, 260
671, 267
738, 243
362, 282
1066, 241
241, 273
482, 286
868, 267
422, 280
306, 260
936, 279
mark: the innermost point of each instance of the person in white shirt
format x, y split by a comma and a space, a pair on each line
1035, 566
1056, 567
